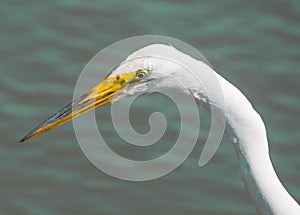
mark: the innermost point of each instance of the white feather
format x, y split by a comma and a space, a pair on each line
174, 69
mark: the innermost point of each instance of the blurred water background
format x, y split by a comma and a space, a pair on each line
44, 45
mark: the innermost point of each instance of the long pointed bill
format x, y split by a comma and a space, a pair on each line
98, 96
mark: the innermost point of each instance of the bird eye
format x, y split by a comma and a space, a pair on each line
141, 75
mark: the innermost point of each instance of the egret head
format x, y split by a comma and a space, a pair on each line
142, 72
146, 74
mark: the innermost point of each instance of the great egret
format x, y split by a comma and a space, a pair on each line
147, 73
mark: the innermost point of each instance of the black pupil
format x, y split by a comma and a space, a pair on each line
141, 75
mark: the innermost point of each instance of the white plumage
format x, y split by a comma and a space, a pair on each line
250, 139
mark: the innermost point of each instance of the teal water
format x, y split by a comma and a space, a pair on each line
45, 45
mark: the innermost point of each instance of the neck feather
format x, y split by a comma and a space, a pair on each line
251, 145
249, 131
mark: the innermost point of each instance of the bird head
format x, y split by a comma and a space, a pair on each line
142, 72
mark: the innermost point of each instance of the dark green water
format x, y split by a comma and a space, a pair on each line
45, 45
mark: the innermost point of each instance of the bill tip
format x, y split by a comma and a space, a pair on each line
23, 139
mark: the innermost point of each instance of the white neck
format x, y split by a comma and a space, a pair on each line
251, 146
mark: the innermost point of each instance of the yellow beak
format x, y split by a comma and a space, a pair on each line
100, 95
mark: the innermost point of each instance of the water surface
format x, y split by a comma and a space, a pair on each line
45, 45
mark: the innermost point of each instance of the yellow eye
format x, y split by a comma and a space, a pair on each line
141, 74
